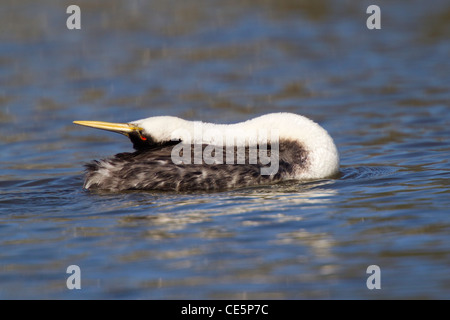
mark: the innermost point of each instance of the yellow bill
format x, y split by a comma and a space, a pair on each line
123, 128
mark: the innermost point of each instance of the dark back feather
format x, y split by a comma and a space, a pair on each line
153, 169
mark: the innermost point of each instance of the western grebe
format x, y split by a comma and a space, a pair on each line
173, 154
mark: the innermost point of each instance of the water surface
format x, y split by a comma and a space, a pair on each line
383, 95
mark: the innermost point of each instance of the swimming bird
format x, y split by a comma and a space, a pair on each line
173, 154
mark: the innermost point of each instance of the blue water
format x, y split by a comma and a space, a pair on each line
383, 95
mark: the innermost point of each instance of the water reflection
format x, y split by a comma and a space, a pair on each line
272, 205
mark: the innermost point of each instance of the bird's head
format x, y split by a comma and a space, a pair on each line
146, 133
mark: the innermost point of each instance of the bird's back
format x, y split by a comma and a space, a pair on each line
155, 169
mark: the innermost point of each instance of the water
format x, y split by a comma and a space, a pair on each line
382, 94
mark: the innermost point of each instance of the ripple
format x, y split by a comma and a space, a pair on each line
358, 173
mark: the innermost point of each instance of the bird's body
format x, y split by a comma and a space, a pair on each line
178, 155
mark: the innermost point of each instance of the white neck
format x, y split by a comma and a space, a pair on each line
280, 126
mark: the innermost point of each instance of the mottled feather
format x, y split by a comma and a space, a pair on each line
153, 169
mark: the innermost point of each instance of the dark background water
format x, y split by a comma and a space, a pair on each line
383, 95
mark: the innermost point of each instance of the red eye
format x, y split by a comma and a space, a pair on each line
141, 136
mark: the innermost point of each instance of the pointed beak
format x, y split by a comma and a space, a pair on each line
123, 128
